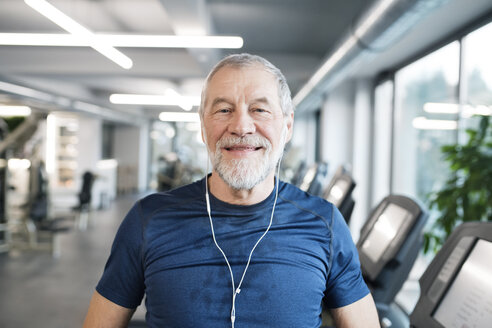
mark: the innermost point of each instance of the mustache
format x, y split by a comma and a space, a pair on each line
253, 141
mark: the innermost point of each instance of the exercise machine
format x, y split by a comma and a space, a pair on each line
315, 179
339, 192
388, 246
456, 288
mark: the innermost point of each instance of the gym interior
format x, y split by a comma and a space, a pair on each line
392, 99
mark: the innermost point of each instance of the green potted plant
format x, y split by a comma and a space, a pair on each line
467, 194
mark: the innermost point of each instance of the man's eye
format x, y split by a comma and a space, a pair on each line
260, 110
223, 110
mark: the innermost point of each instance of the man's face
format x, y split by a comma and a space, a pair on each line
245, 129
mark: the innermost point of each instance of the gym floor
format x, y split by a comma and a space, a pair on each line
38, 290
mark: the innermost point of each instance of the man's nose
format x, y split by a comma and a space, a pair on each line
241, 123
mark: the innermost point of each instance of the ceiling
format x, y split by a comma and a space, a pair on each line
295, 35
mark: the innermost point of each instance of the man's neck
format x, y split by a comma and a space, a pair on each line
221, 190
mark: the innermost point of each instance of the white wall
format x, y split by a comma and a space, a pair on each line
304, 138
345, 139
89, 146
381, 169
126, 144
361, 166
90, 152
337, 125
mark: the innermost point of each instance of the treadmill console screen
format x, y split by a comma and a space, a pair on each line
468, 301
337, 192
308, 178
384, 231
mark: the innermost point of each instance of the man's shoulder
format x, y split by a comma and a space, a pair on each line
304, 200
176, 197
289, 191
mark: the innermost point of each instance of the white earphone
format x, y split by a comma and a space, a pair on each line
284, 134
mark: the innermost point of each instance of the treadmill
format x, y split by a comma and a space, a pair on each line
314, 179
456, 288
339, 192
299, 174
388, 246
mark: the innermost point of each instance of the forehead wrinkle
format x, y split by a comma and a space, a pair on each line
259, 100
239, 85
263, 100
219, 100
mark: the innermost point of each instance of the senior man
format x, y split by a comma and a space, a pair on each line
239, 247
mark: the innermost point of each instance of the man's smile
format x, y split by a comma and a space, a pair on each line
242, 148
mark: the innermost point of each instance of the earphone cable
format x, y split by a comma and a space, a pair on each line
236, 291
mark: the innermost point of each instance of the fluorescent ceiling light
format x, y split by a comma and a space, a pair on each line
179, 117
170, 98
173, 41
423, 123
467, 110
80, 32
441, 108
19, 164
38, 39
9, 111
23, 91
119, 40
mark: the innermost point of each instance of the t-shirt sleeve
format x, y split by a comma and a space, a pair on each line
122, 281
345, 283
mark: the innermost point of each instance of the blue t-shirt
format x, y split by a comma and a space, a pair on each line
165, 251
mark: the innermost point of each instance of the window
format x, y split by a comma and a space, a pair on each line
420, 127
476, 90
433, 105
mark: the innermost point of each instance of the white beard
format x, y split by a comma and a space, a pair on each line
246, 173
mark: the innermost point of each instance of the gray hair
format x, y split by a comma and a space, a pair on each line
248, 60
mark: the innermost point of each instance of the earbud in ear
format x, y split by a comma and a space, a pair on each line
204, 134
284, 134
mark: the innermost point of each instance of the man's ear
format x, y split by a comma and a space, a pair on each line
202, 131
289, 124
